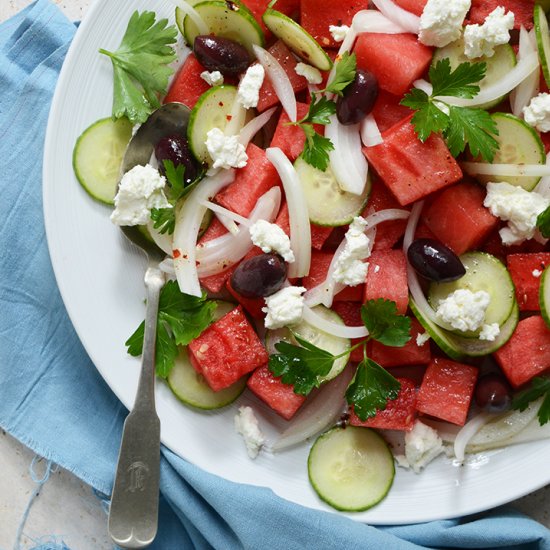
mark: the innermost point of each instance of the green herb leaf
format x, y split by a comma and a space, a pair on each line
384, 324
175, 176
316, 149
458, 83
428, 117
344, 74
319, 111
543, 223
371, 389
164, 219
140, 66
539, 387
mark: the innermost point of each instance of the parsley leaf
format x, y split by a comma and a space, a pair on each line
371, 389
539, 386
543, 223
319, 111
181, 318
164, 219
428, 117
457, 83
175, 176
344, 74
316, 148
384, 324
140, 66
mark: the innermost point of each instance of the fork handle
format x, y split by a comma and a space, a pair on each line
133, 517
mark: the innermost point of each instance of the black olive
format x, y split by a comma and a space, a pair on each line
358, 99
221, 54
493, 393
176, 149
435, 261
259, 276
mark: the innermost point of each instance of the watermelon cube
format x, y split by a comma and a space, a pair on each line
458, 218
399, 413
227, 350
526, 270
319, 234
397, 60
446, 390
187, 85
387, 110
387, 278
214, 283
414, 6
279, 396
350, 312
257, 7
527, 353
412, 169
522, 10
410, 354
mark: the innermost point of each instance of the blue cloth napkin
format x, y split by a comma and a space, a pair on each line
53, 400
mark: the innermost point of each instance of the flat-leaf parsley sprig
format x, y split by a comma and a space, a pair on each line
459, 125
540, 386
372, 387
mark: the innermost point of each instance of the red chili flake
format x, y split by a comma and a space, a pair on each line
220, 103
176, 252
228, 117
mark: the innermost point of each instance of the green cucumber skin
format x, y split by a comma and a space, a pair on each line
544, 296
543, 41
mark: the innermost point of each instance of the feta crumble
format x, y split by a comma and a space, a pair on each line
271, 238
350, 269
520, 208
284, 307
537, 113
422, 338
338, 32
441, 21
214, 78
481, 40
489, 332
140, 190
248, 93
536, 273
226, 151
463, 309
422, 445
311, 74
247, 425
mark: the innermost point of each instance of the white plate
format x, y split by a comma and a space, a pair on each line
101, 280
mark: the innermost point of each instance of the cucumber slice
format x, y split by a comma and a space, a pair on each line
351, 468
228, 19
543, 40
457, 347
323, 340
483, 272
327, 204
502, 62
180, 15
545, 4
518, 144
544, 295
297, 39
210, 111
97, 157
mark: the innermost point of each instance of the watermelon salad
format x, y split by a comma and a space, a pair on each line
355, 217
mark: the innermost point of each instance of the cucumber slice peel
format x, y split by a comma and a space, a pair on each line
544, 295
542, 35
297, 39
351, 469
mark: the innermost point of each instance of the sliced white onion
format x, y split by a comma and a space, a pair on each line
300, 229
423, 85
162, 240
532, 432
405, 19
188, 222
486, 169
254, 126
237, 118
320, 412
386, 215
237, 218
347, 161
190, 11
507, 83
529, 88
228, 223
543, 186
370, 133
336, 329
279, 79
375, 22
467, 433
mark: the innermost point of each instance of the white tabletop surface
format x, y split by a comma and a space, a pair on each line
66, 508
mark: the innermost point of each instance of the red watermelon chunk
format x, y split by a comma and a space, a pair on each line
387, 111
188, 85
526, 270
412, 169
227, 350
399, 413
414, 6
527, 353
214, 283
446, 390
319, 234
350, 312
522, 9
257, 7
279, 396
387, 278
410, 354
397, 60
458, 218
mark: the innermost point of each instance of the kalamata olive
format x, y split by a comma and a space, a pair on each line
493, 393
259, 276
176, 149
221, 54
435, 261
358, 99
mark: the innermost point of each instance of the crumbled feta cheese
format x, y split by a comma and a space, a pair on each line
481, 40
463, 309
520, 208
140, 190
246, 424
214, 78
422, 338
284, 307
441, 21
311, 74
249, 88
271, 238
350, 269
338, 32
226, 151
489, 332
537, 113
536, 273
422, 445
